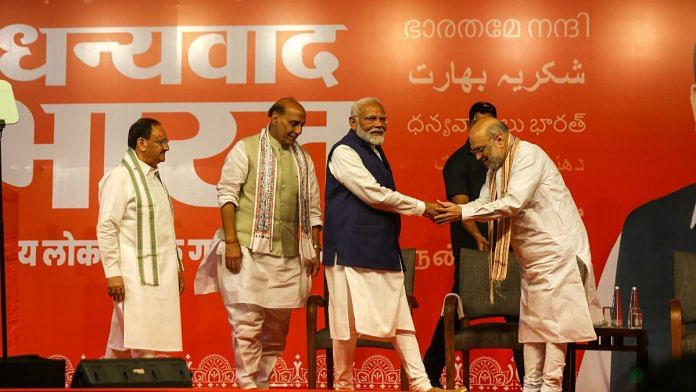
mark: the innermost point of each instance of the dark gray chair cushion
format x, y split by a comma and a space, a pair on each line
474, 287
488, 336
685, 284
689, 343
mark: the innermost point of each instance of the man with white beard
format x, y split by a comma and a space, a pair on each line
362, 257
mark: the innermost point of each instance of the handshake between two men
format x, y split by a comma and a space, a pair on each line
442, 212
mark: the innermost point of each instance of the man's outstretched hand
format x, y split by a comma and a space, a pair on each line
447, 212
430, 211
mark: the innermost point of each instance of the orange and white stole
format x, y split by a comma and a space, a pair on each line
499, 231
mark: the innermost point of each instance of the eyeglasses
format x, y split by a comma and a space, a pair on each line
161, 142
372, 119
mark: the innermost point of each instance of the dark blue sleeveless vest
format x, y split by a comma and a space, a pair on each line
358, 234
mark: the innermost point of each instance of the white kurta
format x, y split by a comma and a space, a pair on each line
264, 280
151, 318
376, 298
548, 237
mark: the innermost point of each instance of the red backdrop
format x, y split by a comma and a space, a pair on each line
602, 86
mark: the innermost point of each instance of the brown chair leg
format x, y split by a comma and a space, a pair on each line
449, 344
449, 367
569, 367
312, 368
465, 368
676, 328
404, 379
329, 369
311, 318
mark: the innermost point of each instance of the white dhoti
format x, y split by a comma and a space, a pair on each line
259, 339
371, 304
264, 280
258, 301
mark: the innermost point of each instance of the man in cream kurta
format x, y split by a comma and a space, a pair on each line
361, 248
269, 197
137, 243
549, 240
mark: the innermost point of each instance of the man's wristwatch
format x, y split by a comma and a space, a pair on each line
316, 247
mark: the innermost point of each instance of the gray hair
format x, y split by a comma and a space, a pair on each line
355, 109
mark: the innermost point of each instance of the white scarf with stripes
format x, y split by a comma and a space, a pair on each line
146, 230
264, 202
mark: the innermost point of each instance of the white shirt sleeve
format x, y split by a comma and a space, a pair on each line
314, 195
347, 167
526, 175
233, 176
113, 201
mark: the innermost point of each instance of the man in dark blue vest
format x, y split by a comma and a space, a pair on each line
361, 248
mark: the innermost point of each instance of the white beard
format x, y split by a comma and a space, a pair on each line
375, 140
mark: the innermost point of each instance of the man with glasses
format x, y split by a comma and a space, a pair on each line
267, 251
135, 232
464, 176
362, 258
534, 212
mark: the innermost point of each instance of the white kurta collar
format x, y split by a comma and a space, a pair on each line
147, 169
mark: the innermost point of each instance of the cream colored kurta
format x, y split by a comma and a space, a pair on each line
548, 237
265, 280
376, 298
273, 282
149, 318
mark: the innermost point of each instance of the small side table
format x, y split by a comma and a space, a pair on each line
608, 339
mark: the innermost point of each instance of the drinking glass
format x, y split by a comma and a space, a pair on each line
637, 318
